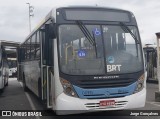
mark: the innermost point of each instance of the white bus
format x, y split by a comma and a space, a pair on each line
4, 68
84, 59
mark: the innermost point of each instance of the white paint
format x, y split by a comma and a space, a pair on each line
111, 68
65, 102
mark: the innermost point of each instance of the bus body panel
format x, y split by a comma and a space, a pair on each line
58, 89
32, 74
70, 105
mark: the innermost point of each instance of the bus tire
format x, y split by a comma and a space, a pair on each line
25, 88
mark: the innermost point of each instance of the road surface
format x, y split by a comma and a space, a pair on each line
14, 98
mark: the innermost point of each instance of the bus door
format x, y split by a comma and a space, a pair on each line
47, 66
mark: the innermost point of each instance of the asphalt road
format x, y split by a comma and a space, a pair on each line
14, 98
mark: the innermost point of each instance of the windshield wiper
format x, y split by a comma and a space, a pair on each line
87, 34
126, 29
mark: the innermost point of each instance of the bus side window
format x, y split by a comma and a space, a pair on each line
37, 46
33, 42
27, 54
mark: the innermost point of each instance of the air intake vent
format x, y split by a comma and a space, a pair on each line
108, 83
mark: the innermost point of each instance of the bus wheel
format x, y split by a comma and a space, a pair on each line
24, 84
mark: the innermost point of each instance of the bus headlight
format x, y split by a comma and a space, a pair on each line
140, 83
68, 89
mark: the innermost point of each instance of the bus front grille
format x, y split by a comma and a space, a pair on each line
109, 83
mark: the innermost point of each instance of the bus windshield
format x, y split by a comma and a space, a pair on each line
115, 52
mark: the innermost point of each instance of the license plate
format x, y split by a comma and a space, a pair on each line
107, 103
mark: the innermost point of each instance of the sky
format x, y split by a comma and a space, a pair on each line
14, 24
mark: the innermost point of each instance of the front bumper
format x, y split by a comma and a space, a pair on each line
70, 105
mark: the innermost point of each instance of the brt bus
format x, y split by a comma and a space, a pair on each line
82, 59
4, 68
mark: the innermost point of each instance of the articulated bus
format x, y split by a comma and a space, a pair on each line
84, 59
4, 68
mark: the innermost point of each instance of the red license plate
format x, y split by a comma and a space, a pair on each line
107, 103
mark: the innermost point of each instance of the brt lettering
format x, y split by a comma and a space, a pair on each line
111, 68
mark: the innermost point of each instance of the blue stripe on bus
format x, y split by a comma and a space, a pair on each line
105, 92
